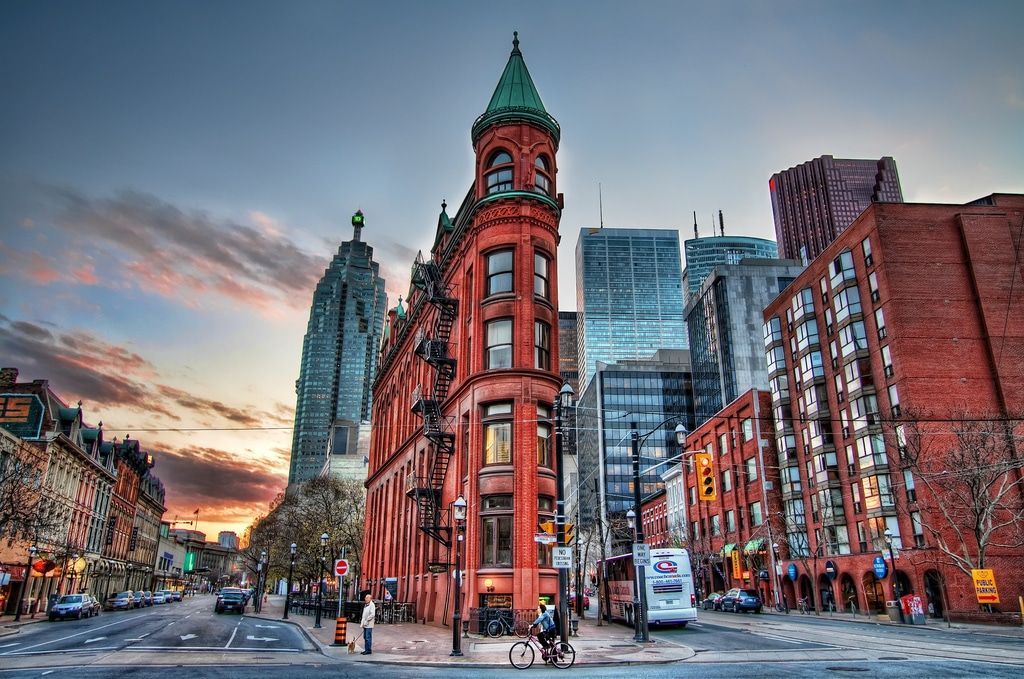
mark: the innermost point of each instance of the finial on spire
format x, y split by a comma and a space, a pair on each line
515, 41
444, 204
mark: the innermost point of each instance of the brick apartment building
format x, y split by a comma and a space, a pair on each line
468, 376
730, 538
906, 332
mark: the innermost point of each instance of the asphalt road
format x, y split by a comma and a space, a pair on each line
181, 627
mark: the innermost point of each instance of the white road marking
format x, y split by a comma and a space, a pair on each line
47, 672
194, 649
250, 637
89, 641
268, 626
16, 643
233, 633
77, 634
186, 637
778, 638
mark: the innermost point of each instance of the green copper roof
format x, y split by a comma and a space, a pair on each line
399, 309
516, 98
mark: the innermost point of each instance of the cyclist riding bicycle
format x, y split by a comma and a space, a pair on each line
547, 627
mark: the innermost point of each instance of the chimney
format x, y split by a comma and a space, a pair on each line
8, 377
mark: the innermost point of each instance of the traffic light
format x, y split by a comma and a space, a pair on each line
707, 489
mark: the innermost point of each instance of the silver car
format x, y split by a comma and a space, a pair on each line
72, 606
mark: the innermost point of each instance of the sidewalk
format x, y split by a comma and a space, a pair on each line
933, 624
8, 626
418, 644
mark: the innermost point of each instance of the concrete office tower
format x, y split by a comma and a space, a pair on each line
724, 320
815, 201
701, 255
629, 295
339, 359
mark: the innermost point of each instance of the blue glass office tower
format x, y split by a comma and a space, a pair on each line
629, 295
704, 254
339, 358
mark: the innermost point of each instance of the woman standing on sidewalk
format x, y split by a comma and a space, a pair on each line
369, 613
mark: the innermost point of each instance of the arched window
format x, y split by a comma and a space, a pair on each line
499, 172
542, 179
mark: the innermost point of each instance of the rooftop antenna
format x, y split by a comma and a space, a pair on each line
600, 205
695, 234
721, 222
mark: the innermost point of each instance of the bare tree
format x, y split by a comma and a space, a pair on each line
22, 515
968, 477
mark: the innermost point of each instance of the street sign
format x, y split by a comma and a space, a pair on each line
340, 567
641, 555
880, 567
562, 557
791, 571
545, 539
830, 569
985, 585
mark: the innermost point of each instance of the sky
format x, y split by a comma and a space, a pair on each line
175, 176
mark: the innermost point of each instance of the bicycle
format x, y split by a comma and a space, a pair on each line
803, 606
522, 654
502, 625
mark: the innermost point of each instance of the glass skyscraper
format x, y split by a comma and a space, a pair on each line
723, 318
629, 295
704, 254
339, 358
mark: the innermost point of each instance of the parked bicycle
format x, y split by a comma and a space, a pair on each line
503, 625
803, 605
522, 654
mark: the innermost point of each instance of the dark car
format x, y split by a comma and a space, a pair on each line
230, 601
176, 594
737, 600
95, 606
712, 602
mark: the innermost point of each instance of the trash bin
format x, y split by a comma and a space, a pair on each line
893, 609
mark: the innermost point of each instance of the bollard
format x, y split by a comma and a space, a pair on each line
340, 631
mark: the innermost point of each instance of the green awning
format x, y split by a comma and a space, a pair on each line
728, 549
753, 546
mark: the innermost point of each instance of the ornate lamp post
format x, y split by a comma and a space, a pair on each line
563, 401
459, 513
892, 561
638, 633
780, 594
32, 551
320, 580
261, 579
291, 569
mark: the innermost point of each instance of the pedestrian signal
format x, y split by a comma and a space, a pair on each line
706, 481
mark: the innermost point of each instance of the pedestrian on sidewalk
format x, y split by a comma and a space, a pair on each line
369, 613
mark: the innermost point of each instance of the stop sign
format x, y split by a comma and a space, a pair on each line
340, 567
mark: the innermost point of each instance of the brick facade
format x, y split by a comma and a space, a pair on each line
911, 319
509, 496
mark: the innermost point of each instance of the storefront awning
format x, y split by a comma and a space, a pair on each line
753, 545
728, 549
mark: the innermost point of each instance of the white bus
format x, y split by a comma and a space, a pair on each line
670, 595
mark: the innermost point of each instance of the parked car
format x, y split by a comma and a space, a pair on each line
572, 600
737, 600
230, 601
72, 606
140, 599
159, 597
712, 602
148, 598
176, 594
122, 601
95, 605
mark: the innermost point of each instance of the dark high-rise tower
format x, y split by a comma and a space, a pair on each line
815, 201
339, 358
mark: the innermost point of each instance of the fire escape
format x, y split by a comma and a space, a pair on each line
438, 429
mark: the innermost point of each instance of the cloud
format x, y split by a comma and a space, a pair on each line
30, 266
185, 255
83, 366
224, 486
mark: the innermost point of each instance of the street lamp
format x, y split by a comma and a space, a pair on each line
892, 561
459, 512
563, 401
643, 631
291, 569
638, 633
779, 594
32, 551
320, 581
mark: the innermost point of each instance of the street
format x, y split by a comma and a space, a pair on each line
174, 640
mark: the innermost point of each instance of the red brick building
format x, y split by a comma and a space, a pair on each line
463, 400
654, 514
730, 538
904, 338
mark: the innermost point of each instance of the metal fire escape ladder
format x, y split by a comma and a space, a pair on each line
438, 429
